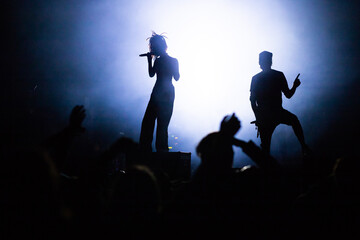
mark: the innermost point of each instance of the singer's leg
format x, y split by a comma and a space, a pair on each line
164, 116
147, 127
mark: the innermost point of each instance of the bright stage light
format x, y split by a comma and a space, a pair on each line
217, 44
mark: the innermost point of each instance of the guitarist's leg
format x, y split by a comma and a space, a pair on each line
291, 119
266, 132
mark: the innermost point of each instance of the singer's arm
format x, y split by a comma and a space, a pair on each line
176, 70
150, 65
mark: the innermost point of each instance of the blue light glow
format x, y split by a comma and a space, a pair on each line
217, 43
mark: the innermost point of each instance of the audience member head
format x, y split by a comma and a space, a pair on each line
137, 195
128, 148
215, 152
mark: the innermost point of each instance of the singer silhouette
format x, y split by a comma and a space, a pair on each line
160, 106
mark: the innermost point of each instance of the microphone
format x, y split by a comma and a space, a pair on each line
145, 54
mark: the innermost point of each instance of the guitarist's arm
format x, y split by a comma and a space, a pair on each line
254, 106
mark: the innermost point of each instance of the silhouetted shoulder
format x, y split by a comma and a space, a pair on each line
173, 59
268, 81
277, 73
270, 74
168, 59
257, 75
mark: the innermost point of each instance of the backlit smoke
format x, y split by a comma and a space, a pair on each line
90, 51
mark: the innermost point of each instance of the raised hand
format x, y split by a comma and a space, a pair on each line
297, 81
77, 117
230, 125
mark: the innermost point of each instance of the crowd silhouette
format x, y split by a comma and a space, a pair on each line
43, 197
